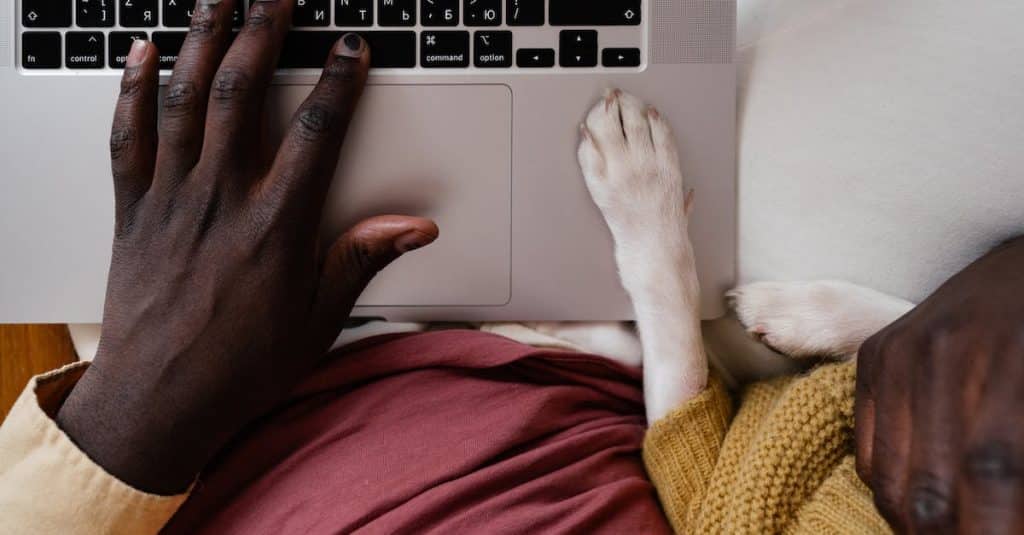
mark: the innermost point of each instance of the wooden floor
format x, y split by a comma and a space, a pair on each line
27, 350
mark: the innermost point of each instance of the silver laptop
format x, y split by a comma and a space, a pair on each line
471, 119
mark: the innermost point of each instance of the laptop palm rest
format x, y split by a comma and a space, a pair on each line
438, 151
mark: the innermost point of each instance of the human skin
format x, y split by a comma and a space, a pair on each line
219, 298
940, 401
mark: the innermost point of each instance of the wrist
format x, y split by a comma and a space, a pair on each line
129, 436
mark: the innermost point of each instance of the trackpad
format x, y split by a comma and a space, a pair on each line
442, 152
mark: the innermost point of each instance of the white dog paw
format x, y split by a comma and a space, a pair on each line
814, 319
631, 164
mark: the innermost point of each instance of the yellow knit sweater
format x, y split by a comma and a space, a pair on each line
784, 464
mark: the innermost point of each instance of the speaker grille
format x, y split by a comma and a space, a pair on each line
5, 33
693, 31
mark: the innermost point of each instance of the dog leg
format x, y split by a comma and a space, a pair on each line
631, 165
814, 319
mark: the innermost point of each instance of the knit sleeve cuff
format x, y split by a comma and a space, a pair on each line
48, 485
681, 450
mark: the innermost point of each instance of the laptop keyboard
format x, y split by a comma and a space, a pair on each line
403, 34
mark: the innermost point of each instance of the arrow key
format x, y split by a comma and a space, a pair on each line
533, 58
83, 50
620, 57
577, 48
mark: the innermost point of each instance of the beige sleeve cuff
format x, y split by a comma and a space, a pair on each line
681, 451
48, 485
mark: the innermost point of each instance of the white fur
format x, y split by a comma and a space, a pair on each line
613, 339
814, 319
630, 162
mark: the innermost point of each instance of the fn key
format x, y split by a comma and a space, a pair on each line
40, 50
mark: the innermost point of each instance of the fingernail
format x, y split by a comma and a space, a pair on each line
410, 241
136, 54
351, 45
209, 2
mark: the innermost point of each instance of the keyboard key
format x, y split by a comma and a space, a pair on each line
525, 12
312, 13
620, 57
444, 50
353, 12
483, 13
138, 13
119, 44
46, 14
397, 13
390, 50
308, 50
440, 12
592, 13
577, 48
239, 13
178, 13
529, 58
40, 50
95, 13
83, 50
492, 49
168, 44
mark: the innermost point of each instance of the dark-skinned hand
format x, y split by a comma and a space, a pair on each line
940, 405
219, 299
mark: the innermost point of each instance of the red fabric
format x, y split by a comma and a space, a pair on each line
447, 432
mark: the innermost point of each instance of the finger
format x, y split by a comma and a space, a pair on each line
890, 449
991, 487
355, 258
864, 406
991, 495
133, 136
183, 119
935, 444
310, 149
235, 118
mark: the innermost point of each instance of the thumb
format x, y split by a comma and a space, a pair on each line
355, 258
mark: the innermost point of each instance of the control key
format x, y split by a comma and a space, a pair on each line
84, 50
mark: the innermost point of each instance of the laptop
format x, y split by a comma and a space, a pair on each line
471, 118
